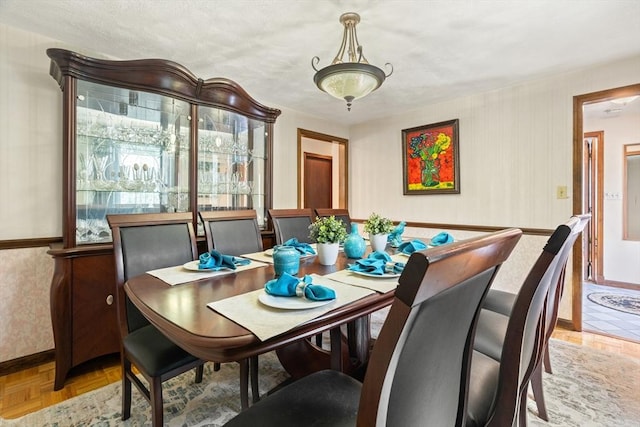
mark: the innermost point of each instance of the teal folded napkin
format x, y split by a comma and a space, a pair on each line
215, 261
377, 263
441, 239
410, 247
395, 237
303, 248
290, 286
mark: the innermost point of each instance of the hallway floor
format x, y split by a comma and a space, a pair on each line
596, 318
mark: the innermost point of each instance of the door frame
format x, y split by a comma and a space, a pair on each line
578, 203
344, 175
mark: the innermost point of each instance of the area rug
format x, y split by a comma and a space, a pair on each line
588, 388
625, 303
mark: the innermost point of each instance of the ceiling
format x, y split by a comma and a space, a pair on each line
439, 49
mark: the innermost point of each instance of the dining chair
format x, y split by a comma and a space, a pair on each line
143, 242
508, 348
235, 233
288, 223
499, 304
342, 214
418, 371
232, 232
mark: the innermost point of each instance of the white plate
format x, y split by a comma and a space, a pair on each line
377, 276
290, 303
193, 266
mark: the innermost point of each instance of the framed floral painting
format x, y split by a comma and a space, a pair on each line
431, 161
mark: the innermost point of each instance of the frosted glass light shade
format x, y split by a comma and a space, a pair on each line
349, 81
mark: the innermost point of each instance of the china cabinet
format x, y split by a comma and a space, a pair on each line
142, 136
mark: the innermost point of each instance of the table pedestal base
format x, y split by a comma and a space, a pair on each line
303, 357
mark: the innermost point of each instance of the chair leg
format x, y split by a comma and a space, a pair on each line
547, 360
199, 373
253, 372
244, 384
522, 411
156, 402
319, 340
216, 366
538, 392
126, 389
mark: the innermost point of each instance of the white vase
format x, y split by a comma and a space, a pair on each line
328, 253
378, 242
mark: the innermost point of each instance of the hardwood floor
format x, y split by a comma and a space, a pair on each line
32, 389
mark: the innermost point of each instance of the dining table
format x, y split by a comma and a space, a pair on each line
195, 310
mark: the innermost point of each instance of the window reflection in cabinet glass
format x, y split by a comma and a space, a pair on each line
231, 161
132, 156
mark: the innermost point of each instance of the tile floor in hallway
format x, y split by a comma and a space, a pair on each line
596, 318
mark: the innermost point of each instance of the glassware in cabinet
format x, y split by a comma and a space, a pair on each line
132, 156
231, 161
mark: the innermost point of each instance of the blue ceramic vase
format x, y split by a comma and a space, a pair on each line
286, 259
354, 245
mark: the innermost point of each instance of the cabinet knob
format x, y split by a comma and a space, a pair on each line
109, 299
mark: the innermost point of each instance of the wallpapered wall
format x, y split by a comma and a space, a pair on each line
515, 147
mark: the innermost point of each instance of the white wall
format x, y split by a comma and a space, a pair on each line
30, 133
515, 149
621, 257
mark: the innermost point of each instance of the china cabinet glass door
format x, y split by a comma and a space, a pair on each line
132, 156
231, 162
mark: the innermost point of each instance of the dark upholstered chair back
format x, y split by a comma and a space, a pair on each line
418, 372
288, 223
577, 225
143, 242
232, 232
342, 214
534, 328
498, 402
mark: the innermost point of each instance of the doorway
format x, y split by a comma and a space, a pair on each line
592, 270
322, 170
318, 181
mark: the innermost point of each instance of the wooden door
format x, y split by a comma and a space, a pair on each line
593, 244
318, 181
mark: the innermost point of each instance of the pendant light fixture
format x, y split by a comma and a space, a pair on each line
354, 78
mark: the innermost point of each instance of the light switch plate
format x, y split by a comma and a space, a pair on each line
561, 192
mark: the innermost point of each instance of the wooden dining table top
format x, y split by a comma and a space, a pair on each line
181, 311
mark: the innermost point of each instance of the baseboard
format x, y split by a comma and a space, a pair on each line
565, 324
25, 362
623, 285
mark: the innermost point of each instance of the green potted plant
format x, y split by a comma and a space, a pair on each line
378, 228
327, 232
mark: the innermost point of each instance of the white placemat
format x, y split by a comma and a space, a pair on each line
266, 322
178, 274
378, 284
259, 256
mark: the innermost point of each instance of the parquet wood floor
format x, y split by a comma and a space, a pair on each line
32, 389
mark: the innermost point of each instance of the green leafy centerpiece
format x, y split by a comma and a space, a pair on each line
378, 228
328, 232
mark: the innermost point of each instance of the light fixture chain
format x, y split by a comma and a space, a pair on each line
340, 54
